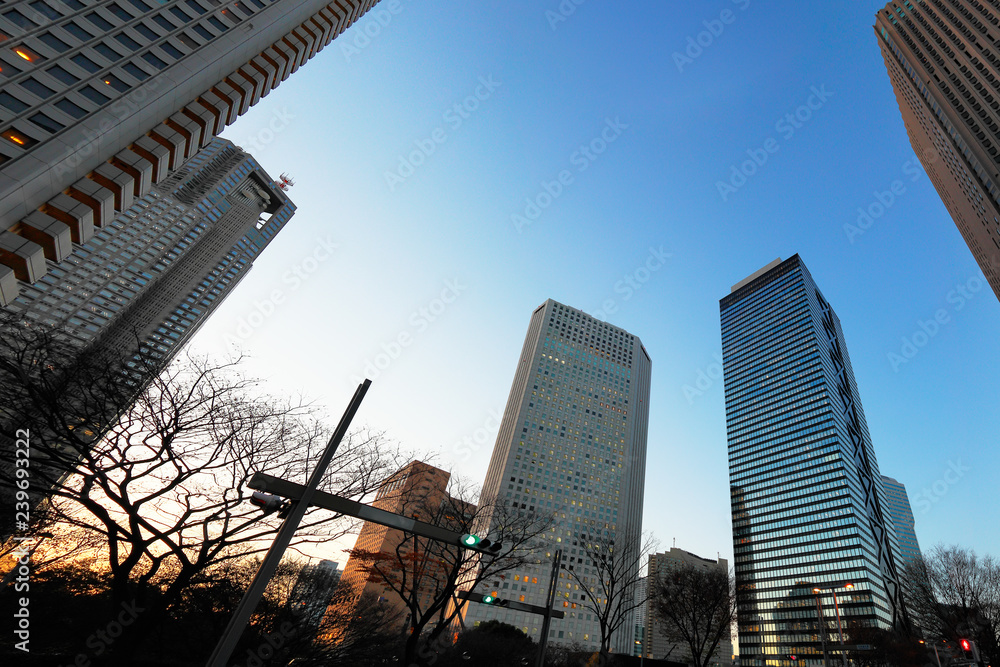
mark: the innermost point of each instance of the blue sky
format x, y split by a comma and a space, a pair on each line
404, 232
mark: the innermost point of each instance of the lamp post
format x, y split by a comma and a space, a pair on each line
936, 655
836, 608
822, 626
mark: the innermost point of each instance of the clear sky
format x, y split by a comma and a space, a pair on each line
404, 232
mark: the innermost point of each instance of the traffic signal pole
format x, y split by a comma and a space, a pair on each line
543, 641
227, 643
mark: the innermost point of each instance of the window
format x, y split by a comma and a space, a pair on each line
53, 42
140, 5
206, 35
74, 4
196, 7
94, 96
62, 75
128, 42
135, 71
32, 85
46, 123
42, 8
145, 31
19, 19
85, 63
187, 41
116, 83
153, 60
25, 53
17, 138
107, 52
162, 21
9, 101
99, 21
119, 12
70, 109
218, 24
77, 32
176, 11
8, 70
171, 51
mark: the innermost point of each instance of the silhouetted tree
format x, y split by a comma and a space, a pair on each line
696, 606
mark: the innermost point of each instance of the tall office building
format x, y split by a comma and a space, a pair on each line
944, 66
102, 99
572, 442
809, 507
658, 645
902, 520
156, 271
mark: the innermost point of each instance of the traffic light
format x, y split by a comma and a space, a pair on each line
474, 541
969, 649
494, 600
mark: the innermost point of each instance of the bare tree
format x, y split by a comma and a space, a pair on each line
608, 574
425, 575
157, 464
953, 594
696, 606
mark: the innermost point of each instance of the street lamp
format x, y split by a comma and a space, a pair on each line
836, 608
936, 656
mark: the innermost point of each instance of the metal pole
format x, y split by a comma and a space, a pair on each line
822, 629
227, 643
840, 628
543, 641
936, 656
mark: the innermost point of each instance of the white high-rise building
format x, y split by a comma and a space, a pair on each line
572, 442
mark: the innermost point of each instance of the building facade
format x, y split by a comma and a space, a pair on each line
658, 646
944, 66
156, 271
421, 491
101, 100
809, 508
902, 521
572, 443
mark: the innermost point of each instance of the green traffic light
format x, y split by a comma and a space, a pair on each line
471, 540
488, 599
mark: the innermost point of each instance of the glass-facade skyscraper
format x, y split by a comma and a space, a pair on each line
572, 442
808, 504
902, 520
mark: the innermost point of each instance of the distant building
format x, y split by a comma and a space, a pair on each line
311, 595
658, 645
943, 64
640, 617
902, 520
417, 490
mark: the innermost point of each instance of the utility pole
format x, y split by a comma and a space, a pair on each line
543, 641
227, 643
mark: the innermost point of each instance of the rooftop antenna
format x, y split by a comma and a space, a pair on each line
284, 182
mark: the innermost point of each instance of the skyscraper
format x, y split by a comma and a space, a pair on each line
572, 442
902, 520
944, 66
156, 271
809, 508
101, 99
